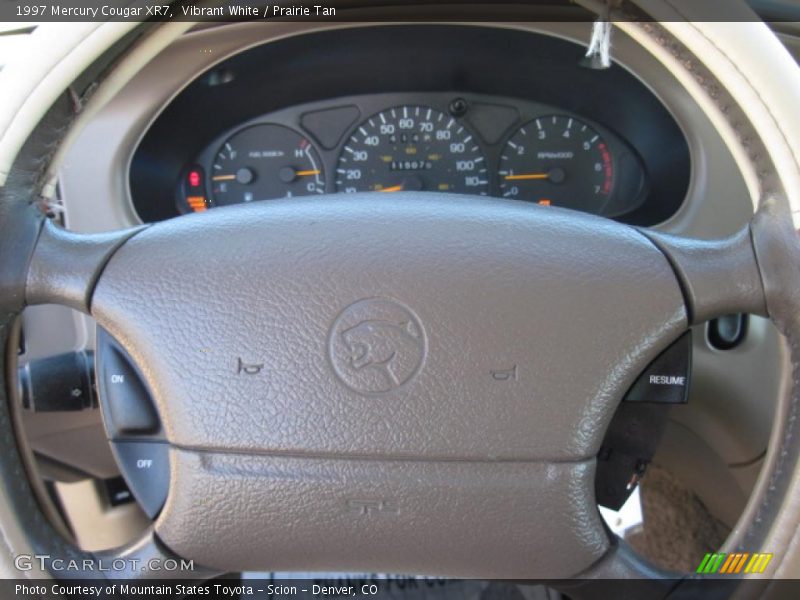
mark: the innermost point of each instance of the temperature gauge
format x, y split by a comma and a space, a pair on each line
264, 162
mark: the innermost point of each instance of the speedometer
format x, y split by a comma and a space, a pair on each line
412, 148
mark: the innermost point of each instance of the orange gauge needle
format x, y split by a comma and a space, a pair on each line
394, 188
307, 173
527, 176
223, 177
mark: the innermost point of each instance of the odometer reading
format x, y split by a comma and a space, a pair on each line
412, 148
558, 160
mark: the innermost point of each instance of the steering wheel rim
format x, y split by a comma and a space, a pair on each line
768, 246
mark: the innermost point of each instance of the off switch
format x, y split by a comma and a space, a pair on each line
145, 466
666, 379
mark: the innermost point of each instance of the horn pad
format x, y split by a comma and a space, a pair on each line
404, 362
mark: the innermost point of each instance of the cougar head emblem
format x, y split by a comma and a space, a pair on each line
381, 345
376, 345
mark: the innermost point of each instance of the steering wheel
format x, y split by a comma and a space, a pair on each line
323, 370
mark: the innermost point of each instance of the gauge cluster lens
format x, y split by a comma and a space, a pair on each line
264, 162
558, 161
442, 144
412, 148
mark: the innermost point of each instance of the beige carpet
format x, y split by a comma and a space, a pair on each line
678, 530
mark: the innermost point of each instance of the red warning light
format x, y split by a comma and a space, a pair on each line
194, 178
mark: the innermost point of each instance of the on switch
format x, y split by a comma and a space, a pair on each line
123, 393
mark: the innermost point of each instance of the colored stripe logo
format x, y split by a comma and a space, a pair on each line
731, 564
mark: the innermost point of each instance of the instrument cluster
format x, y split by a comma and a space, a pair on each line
448, 142
490, 111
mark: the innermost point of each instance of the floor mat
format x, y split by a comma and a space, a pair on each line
678, 529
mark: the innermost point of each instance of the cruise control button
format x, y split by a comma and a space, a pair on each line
666, 379
145, 466
128, 402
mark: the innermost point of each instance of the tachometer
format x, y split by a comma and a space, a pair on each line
558, 160
412, 148
264, 162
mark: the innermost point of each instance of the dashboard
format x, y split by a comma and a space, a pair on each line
465, 110
670, 168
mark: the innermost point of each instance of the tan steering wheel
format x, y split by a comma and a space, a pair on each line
131, 282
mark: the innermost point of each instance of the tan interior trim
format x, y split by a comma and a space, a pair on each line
32, 82
749, 72
141, 54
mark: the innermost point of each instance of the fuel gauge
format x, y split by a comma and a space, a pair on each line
264, 162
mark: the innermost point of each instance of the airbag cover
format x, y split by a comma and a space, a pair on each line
405, 325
